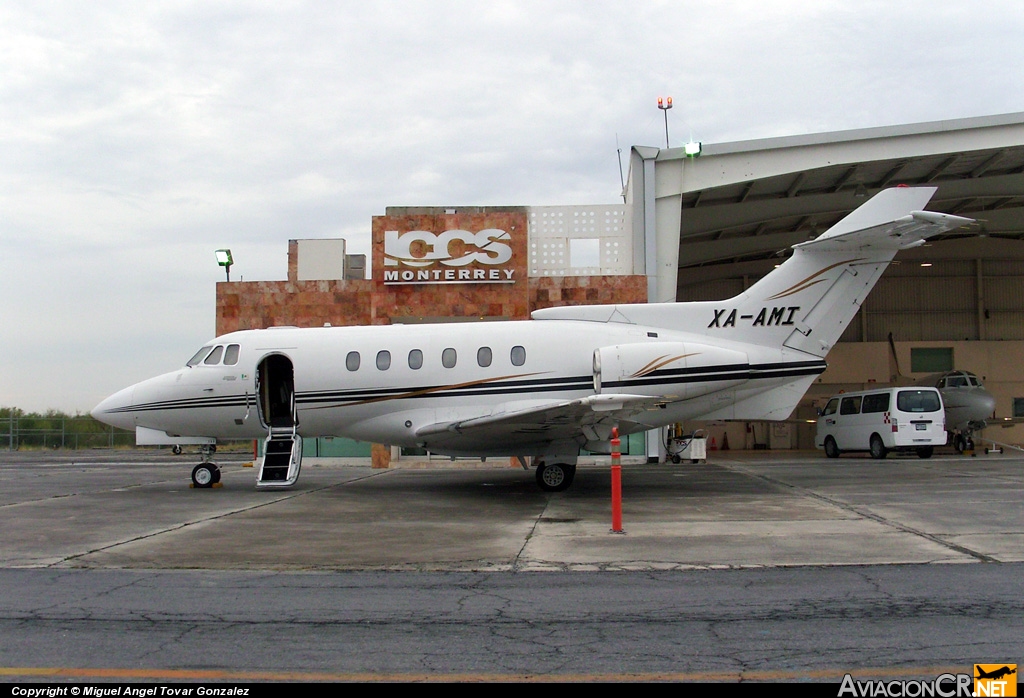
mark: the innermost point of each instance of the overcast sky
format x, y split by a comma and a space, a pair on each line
138, 137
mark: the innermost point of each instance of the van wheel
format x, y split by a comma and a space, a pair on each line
878, 449
831, 450
925, 452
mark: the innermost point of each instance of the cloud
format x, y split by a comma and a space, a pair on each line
139, 137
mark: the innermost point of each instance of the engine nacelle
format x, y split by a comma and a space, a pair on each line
679, 369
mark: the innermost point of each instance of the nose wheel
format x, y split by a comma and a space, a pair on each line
205, 475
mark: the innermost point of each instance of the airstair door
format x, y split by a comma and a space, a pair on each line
282, 449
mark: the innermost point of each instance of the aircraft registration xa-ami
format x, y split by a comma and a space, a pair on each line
546, 387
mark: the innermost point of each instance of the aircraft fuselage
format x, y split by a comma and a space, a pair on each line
412, 376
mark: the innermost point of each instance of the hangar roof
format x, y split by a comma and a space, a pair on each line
749, 199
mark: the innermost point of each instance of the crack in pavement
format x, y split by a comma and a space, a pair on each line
853, 509
283, 497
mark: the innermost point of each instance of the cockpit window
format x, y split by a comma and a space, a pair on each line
214, 358
198, 356
231, 355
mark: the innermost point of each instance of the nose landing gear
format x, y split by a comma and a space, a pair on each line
206, 474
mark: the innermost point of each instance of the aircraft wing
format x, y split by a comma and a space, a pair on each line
530, 428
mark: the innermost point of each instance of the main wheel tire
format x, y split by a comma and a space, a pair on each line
203, 475
878, 449
555, 477
176, 449
831, 450
925, 451
959, 443
216, 473
970, 445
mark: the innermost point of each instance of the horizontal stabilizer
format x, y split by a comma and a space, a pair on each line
883, 223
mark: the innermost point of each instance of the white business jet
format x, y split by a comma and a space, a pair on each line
544, 388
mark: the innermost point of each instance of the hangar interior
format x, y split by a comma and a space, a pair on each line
718, 222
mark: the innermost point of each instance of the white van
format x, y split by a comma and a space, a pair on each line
879, 421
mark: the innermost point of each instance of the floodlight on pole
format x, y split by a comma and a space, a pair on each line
224, 260
664, 105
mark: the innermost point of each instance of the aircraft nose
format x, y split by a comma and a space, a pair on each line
988, 400
116, 409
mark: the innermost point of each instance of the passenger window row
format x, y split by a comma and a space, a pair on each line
449, 357
212, 356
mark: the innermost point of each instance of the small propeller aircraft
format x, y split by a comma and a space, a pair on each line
545, 388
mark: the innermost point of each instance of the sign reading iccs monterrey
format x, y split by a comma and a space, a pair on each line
481, 258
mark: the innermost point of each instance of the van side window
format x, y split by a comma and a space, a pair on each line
383, 360
879, 402
918, 401
448, 358
518, 356
483, 356
831, 407
850, 405
214, 358
352, 361
415, 359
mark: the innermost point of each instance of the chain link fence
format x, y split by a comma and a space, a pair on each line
32, 431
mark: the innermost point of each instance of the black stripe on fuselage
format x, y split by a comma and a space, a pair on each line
189, 403
343, 398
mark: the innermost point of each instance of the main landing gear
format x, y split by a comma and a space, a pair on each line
555, 477
963, 443
206, 474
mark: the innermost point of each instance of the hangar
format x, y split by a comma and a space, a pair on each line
716, 223
706, 226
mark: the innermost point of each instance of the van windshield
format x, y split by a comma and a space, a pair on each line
918, 401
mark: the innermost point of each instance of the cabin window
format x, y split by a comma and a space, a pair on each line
415, 359
352, 361
214, 358
448, 358
483, 356
383, 360
518, 356
231, 355
850, 405
879, 402
199, 356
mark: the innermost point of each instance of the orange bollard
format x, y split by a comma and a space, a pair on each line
616, 482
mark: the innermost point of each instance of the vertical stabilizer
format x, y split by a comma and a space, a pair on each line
808, 301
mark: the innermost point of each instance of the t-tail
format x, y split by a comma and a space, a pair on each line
808, 301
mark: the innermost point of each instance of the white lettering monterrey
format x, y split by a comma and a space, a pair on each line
488, 247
